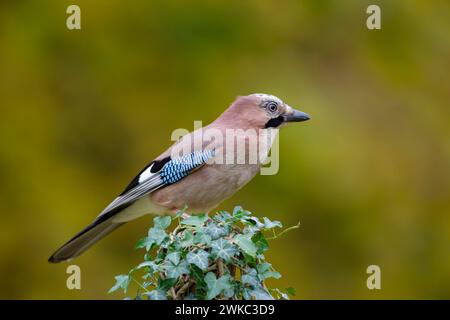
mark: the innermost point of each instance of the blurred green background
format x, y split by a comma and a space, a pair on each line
368, 176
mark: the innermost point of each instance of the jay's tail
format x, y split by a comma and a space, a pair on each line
84, 240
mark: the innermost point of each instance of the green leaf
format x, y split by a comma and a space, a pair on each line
162, 222
251, 278
246, 244
228, 293
174, 267
239, 213
222, 248
215, 231
272, 274
254, 221
188, 239
155, 236
249, 260
156, 295
198, 276
291, 291
167, 283
199, 258
216, 286
268, 224
142, 243
223, 216
255, 290
260, 293
179, 213
281, 294
260, 241
150, 264
173, 257
190, 296
237, 210
265, 271
202, 238
173, 245
195, 221
122, 282
174, 271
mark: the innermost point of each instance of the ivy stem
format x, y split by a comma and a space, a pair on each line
174, 295
220, 267
139, 284
284, 231
184, 288
212, 267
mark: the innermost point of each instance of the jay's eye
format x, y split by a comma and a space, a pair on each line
272, 107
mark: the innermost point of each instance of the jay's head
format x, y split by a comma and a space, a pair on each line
265, 111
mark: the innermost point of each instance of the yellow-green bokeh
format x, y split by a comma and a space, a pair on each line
368, 176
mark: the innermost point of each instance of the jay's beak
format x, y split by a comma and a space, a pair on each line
293, 115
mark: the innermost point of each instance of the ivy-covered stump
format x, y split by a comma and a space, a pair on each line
218, 257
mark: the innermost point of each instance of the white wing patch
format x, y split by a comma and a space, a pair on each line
146, 174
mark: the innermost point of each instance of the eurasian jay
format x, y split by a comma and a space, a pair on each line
191, 175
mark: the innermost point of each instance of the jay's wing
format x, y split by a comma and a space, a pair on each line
156, 175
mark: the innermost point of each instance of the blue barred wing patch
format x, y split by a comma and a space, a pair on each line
167, 171
176, 169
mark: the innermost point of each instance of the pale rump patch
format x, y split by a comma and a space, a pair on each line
138, 209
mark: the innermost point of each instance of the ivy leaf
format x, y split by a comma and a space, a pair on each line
162, 222
256, 290
254, 221
156, 294
195, 221
173, 257
122, 282
188, 239
199, 258
250, 230
290, 291
198, 276
202, 238
174, 271
150, 264
223, 216
155, 236
281, 294
260, 241
228, 293
246, 245
189, 251
190, 296
249, 260
142, 243
260, 293
215, 231
273, 274
216, 286
180, 212
253, 225
224, 249
268, 224
166, 284
265, 271
250, 278
239, 213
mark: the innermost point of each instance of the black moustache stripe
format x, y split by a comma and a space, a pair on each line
274, 122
